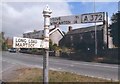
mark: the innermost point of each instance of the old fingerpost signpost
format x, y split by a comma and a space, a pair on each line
19, 42
46, 13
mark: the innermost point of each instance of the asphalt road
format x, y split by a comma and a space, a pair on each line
11, 61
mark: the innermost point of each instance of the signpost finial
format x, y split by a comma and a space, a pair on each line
47, 10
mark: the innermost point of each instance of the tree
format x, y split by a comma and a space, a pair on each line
1, 41
50, 44
114, 28
3, 45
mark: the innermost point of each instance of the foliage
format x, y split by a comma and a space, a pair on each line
3, 45
114, 28
34, 49
0, 41
52, 46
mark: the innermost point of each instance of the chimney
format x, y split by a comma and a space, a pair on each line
35, 30
57, 25
69, 28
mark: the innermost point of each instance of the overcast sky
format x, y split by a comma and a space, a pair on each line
21, 17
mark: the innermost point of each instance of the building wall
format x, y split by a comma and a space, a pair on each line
56, 37
35, 34
110, 39
9, 42
83, 40
110, 45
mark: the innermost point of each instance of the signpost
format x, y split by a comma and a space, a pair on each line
46, 13
78, 19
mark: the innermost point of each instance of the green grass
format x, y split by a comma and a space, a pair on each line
35, 75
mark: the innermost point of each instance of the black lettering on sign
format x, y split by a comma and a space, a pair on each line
32, 41
65, 22
21, 45
59, 23
41, 46
77, 17
24, 44
100, 17
96, 16
51, 24
91, 18
85, 19
55, 19
17, 44
75, 22
20, 40
31, 45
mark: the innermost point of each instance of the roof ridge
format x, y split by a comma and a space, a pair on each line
85, 29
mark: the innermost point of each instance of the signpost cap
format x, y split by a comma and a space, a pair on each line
47, 10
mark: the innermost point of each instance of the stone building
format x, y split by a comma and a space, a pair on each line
55, 35
84, 38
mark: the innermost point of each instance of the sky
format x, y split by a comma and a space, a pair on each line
21, 17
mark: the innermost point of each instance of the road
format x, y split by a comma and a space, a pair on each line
11, 61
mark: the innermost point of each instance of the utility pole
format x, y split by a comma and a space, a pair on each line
96, 51
106, 24
105, 31
46, 14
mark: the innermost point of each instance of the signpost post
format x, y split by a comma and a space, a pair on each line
46, 13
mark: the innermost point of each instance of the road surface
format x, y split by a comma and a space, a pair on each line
11, 61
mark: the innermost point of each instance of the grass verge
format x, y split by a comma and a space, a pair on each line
35, 75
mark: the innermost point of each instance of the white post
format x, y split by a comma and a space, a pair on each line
107, 28
46, 13
96, 48
105, 31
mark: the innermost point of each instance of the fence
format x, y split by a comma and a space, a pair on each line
104, 56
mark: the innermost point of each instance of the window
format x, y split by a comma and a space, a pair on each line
71, 38
92, 35
81, 37
72, 44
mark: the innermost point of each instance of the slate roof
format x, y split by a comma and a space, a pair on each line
42, 31
54, 29
85, 29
